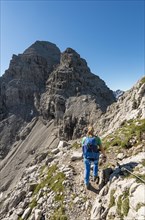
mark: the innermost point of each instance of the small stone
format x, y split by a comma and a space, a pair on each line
120, 156
26, 213
38, 214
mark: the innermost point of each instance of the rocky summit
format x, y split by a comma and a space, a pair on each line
47, 100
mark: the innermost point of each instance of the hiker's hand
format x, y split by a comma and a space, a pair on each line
104, 159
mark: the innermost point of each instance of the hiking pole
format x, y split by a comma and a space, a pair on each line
125, 169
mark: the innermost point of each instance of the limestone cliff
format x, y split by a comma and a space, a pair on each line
45, 82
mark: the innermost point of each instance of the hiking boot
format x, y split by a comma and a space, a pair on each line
96, 179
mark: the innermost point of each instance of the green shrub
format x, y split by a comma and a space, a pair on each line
53, 180
76, 145
119, 205
123, 204
122, 136
33, 203
59, 214
112, 199
142, 81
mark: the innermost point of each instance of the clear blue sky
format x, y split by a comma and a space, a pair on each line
108, 34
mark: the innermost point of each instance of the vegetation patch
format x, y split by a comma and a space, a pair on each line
139, 205
33, 203
53, 180
119, 205
59, 214
143, 162
110, 217
123, 204
76, 145
142, 81
130, 130
112, 198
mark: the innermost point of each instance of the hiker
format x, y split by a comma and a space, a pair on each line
91, 146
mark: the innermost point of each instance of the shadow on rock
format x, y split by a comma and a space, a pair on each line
93, 189
121, 170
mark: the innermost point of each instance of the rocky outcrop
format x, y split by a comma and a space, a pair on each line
121, 197
25, 79
118, 93
21, 87
74, 96
129, 106
9, 128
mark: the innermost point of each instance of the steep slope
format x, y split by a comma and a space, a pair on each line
37, 138
129, 106
20, 88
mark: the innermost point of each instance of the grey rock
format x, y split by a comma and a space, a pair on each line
14, 217
19, 211
62, 144
38, 214
17, 199
76, 156
120, 156
32, 186
55, 151
26, 213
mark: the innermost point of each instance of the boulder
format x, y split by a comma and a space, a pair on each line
76, 156
26, 213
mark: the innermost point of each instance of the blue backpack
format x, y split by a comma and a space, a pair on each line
90, 148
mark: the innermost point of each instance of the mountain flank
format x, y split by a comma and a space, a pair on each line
42, 82
47, 100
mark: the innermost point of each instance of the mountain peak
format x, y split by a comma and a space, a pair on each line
43, 48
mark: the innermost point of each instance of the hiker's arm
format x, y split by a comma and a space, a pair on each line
102, 151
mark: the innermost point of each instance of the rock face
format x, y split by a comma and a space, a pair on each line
74, 96
59, 86
122, 198
21, 87
25, 79
129, 106
118, 93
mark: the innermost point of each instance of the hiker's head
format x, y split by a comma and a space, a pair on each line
90, 130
